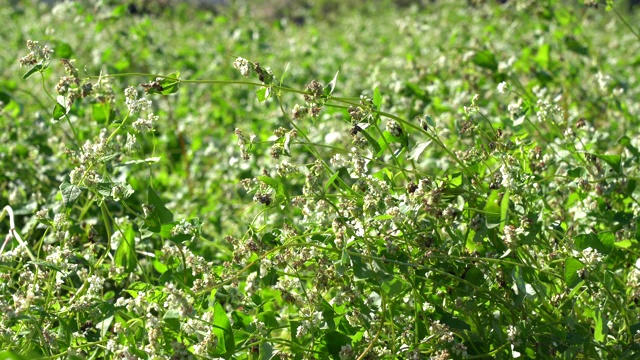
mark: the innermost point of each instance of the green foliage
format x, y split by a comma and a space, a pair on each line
433, 181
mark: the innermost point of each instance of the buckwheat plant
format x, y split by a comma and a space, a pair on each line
474, 199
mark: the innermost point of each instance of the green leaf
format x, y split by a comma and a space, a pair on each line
360, 269
58, 111
615, 161
334, 341
377, 98
374, 144
331, 180
504, 209
172, 319
277, 186
626, 142
394, 287
171, 83
571, 268
485, 59
624, 244
10, 355
475, 276
265, 350
5, 98
599, 330
262, 94
575, 46
418, 150
36, 68
70, 193
577, 172
493, 210
222, 330
160, 214
103, 114
387, 138
603, 242
383, 217
62, 50
543, 58
126, 253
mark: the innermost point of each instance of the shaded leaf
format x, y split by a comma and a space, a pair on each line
418, 150
485, 59
277, 186
62, 50
126, 253
575, 46
615, 161
70, 193
571, 268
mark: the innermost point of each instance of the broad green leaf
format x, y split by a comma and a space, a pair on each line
126, 253
58, 111
62, 50
575, 46
265, 351
571, 268
160, 214
269, 319
159, 266
281, 194
493, 209
361, 269
615, 161
624, 244
172, 319
372, 142
603, 242
103, 114
599, 329
70, 193
105, 325
5, 98
377, 98
222, 330
394, 287
334, 341
171, 83
578, 171
262, 94
10, 355
418, 150
543, 58
486, 59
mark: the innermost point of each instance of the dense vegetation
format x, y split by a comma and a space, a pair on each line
436, 180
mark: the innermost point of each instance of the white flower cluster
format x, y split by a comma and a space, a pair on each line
242, 64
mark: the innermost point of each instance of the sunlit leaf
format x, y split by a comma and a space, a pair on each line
222, 330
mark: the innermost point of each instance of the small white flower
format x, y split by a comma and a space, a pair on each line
503, 87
